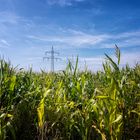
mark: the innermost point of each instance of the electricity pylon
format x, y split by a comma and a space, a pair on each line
51, 57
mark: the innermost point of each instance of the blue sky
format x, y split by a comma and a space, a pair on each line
84, 28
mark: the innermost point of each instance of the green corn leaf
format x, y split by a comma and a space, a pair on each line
118, 119
114, 65
98, 130
118, 53
102, 97
134, 111
12, 82
76, 66
40, 112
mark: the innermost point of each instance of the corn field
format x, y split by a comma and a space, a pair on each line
70, 105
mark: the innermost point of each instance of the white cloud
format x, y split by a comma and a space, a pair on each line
63, 2
8, 17
73, 38
128, 34
60, 2
79, 0
79, 39
4, 43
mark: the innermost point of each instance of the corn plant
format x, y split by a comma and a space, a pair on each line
70, 105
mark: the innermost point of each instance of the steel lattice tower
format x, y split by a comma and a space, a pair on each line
51, 57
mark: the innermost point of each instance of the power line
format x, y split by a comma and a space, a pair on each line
51, 57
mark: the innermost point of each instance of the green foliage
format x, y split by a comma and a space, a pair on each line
70, 105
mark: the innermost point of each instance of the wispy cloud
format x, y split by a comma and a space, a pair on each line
4, 43
72, 38
123, 40
8, 17
81, 39
60, 2
63, 2
128, 34
76, 40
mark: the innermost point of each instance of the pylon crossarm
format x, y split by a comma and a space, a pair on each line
46, 58
47, 52
57, 58
56, 53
